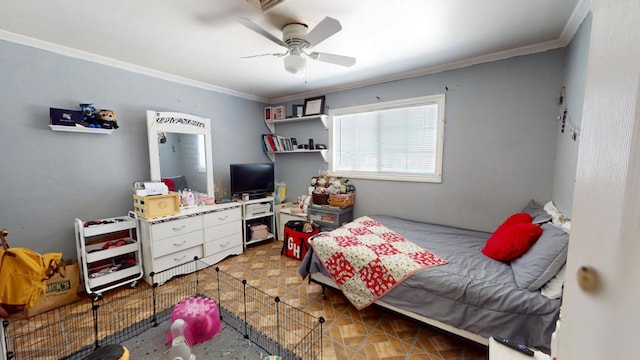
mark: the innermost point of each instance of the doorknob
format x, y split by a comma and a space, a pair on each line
588, 279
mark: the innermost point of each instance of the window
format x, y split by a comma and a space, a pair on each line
202, 165
395, 140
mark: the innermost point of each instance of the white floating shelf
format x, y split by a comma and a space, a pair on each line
80, 129
272, 154
271, 123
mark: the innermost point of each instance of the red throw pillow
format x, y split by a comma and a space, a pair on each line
510, 242
517, 218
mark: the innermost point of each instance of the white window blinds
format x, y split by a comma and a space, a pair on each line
400, 140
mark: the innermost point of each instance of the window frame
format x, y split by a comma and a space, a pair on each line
438, 99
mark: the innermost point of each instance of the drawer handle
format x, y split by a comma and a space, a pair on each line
223, 217
180, 258
224, 245
179, 228
182, 243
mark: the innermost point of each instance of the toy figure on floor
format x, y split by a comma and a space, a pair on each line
180, 349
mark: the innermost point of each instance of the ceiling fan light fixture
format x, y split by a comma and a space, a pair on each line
295, 64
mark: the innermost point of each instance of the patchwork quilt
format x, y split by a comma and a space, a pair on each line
367, 259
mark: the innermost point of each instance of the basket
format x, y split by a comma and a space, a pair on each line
342, 200
320, 199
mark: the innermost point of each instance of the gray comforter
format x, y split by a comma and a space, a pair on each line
471, 292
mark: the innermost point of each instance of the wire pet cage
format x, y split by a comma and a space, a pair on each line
75, 330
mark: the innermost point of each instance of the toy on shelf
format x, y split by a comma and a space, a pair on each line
108, 119
92, 118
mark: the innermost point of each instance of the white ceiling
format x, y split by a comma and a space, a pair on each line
200, 42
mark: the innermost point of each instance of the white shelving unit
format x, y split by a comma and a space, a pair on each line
97, 252
80, 129
266, 217
272, 154
271, 124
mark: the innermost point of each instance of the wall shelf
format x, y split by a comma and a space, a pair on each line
272, 155
272, 123
80, 129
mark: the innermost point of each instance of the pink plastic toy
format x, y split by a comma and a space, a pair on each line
202, 319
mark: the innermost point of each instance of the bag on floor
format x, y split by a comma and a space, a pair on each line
23, 274
61, 289
296, 238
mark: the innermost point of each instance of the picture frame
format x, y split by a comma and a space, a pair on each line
314, 106
278, 112
298, 110
267, 113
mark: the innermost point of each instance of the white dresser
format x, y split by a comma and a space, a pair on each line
210, 233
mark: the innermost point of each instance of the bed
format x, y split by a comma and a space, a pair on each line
472, 295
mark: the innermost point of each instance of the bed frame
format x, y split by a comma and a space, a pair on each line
326, 281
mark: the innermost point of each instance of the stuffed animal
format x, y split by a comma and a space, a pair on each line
90, 116
108, 119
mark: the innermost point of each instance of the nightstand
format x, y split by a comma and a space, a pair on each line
498, 351
288, 214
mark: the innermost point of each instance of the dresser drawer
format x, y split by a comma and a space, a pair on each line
222, 217
175, 259
224, 230
176, 227
176, 243
223, 244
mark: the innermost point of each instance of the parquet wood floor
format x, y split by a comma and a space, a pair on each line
371, 333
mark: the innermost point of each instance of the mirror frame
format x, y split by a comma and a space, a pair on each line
174, 122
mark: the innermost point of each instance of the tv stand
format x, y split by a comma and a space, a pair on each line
257, 196
257, 211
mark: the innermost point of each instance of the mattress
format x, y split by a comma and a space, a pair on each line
471, 292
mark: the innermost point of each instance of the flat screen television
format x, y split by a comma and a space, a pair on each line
256, 179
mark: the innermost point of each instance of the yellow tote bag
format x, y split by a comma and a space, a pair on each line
23, 274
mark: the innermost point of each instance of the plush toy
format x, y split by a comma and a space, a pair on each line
108, 119
90, 116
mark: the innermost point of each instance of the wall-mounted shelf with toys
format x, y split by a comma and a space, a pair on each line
86, 120
272, 123
272, 154
80, 129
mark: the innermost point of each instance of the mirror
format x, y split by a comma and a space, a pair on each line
180, 150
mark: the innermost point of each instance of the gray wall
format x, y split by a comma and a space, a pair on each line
49, 178
567, 149
499, 146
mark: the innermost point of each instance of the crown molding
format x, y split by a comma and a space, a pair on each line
581, 11
83, 55
501, 55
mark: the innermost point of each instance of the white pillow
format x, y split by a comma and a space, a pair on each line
557, 218
553, 288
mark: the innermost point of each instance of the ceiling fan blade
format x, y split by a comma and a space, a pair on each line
255, 27
325, 28
333, 58
267, 54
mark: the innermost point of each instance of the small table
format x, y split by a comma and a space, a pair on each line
287, 214
498, 351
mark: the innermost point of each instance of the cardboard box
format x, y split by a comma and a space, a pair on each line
65, 117
149, 207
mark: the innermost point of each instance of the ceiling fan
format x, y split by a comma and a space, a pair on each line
298, 41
